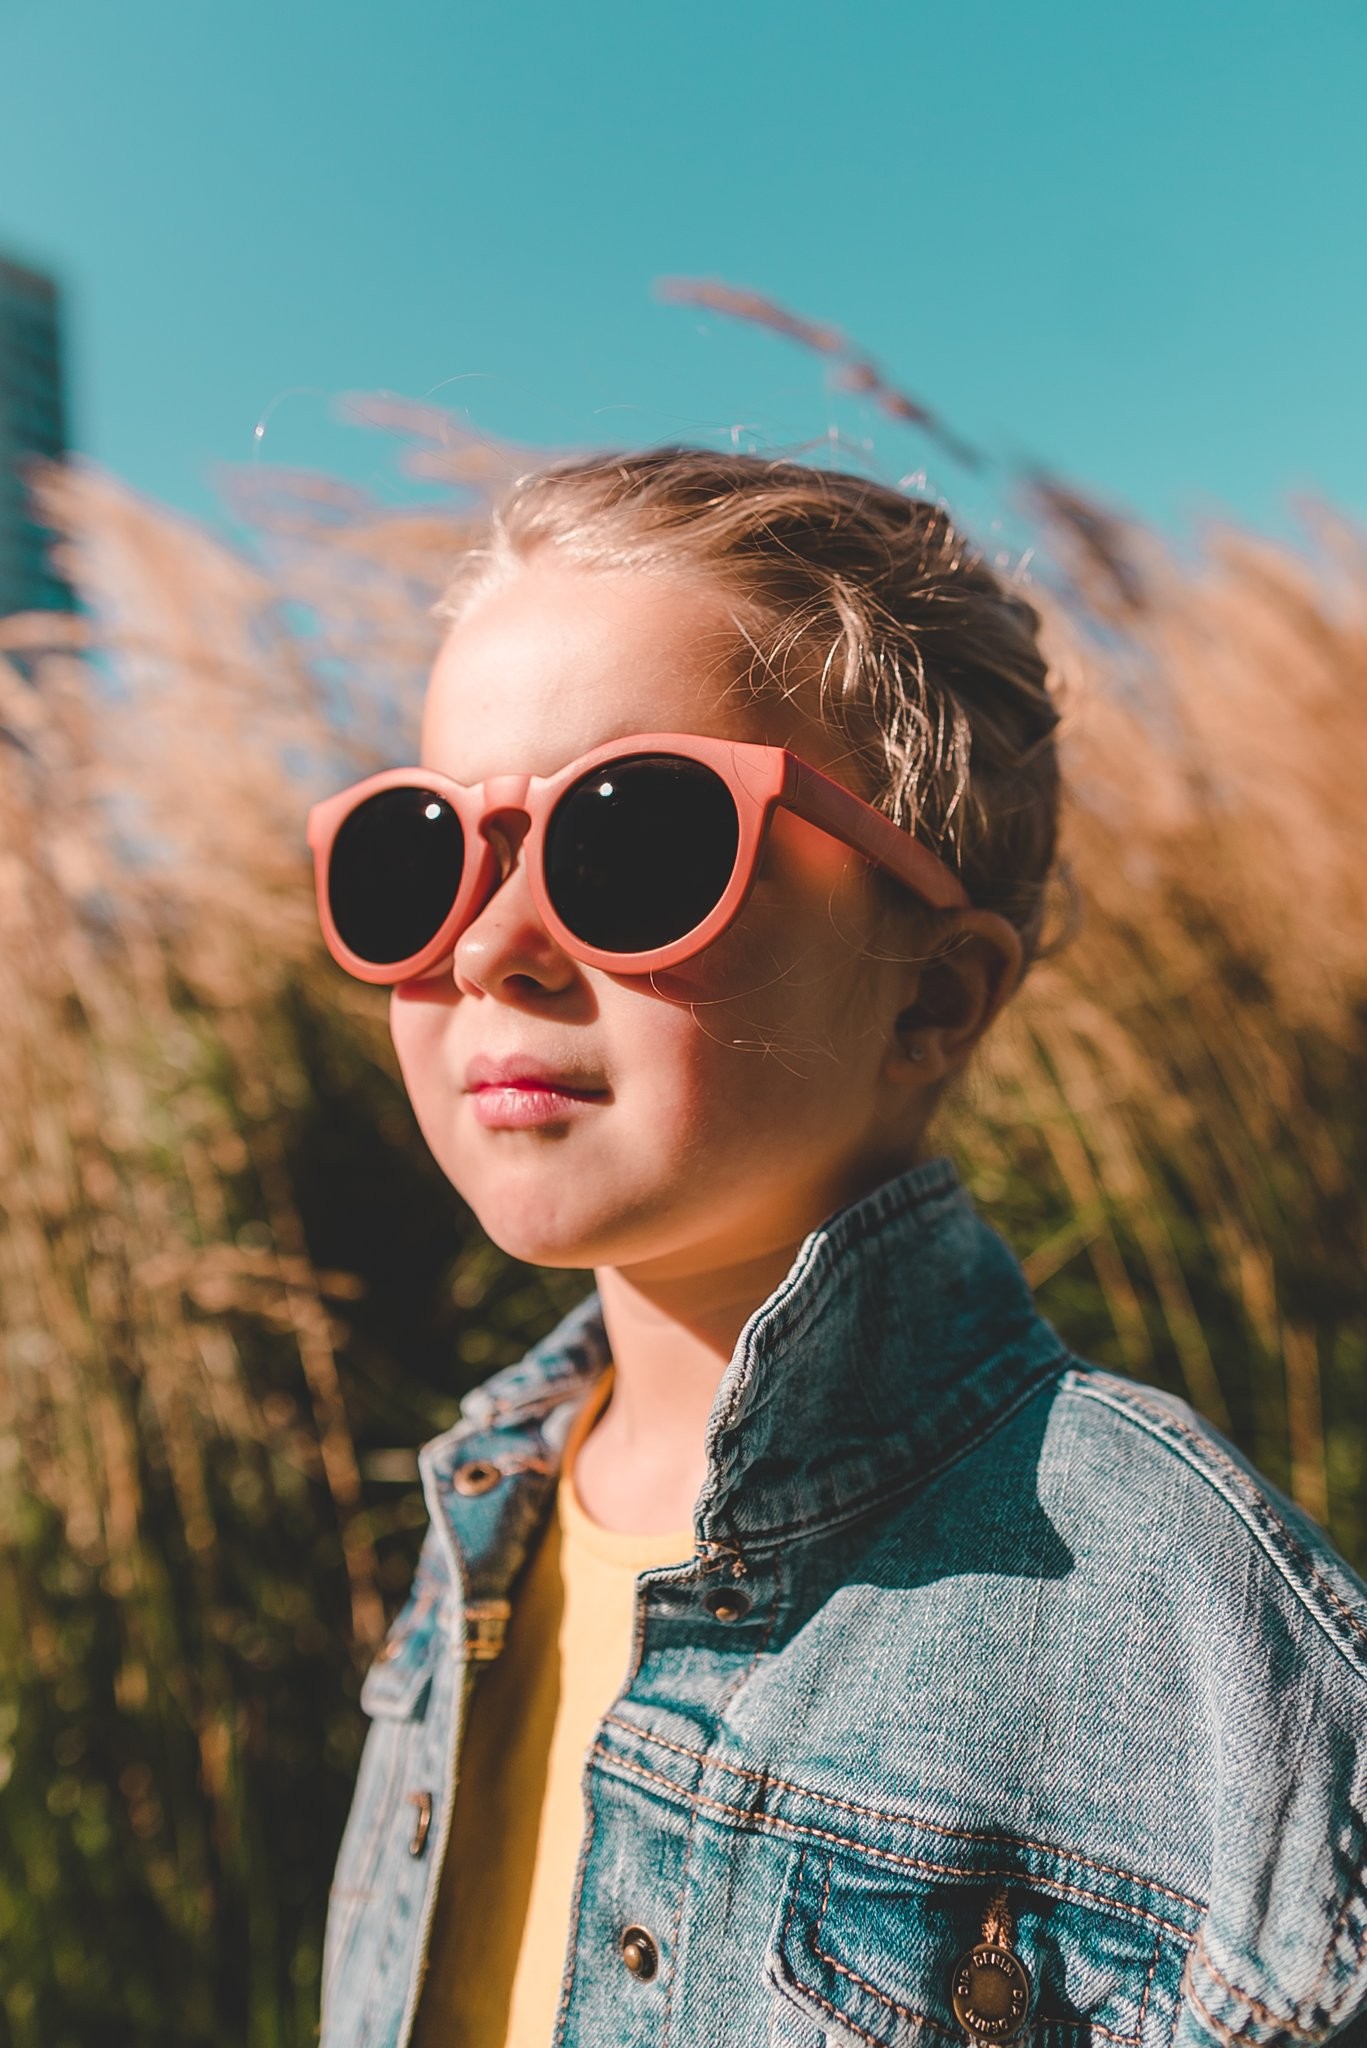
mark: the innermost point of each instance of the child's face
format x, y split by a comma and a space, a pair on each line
743, 1093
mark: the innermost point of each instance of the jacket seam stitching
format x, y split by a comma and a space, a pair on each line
1222, 2033
761, 1541
1255, 2005
677, 1924
1038, 2018
1340, 1922
834, 1249
810, 1990
1212, 1466
1138, 2034
907, 2012
761, 1822
845, 2019
851, 1806
510, 1416
727, 1696
1042, 2019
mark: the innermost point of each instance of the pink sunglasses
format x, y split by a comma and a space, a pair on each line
638, 854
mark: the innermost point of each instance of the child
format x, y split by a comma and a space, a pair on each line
806, 1648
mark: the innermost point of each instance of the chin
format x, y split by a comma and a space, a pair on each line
531, 1249
527, 1224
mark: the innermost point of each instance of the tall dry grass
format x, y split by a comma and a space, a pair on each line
236, 1291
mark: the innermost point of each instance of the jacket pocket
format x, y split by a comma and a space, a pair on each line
870, 1954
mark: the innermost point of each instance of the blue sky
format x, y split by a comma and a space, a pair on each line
1125, 241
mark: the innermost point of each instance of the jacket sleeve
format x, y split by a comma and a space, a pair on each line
1280, 1959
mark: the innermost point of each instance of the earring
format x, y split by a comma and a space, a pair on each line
916, 1052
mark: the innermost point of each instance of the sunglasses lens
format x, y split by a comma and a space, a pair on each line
394, 872
639, 850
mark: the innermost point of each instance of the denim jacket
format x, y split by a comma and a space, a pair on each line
1001, 1698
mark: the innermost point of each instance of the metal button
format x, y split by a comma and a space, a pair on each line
990, 1987
476, 1477
990, 1990
639, 1953
422, 1821
727, 1603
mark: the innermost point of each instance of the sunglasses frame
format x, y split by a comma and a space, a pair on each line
760, 779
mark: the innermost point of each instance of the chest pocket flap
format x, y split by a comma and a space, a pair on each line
870, 1954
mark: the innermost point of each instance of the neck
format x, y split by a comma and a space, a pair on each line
641, 1468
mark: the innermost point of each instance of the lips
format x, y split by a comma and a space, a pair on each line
523, 1074
522, 1094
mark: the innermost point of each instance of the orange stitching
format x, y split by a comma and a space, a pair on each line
1264, 2012
1177, 2002
1038, 2019
907, 2012
1231, 2039
796, 1887
763, 1821
1148, 1986
1095, 2027
1340, 1922
877, 2040
769, 1542
674, 1930
727, 1694
903, 1819
1242, 1486
1217, 2027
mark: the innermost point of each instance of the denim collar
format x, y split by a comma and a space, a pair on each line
903, 1328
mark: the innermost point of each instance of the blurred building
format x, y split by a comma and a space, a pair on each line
32, 423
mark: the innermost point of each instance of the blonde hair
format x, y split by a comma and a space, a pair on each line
926, 665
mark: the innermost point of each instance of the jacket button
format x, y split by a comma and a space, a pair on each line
639, 1953
990, 1990
476, 1477
726, 1603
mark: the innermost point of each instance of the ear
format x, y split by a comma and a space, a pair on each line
955, 997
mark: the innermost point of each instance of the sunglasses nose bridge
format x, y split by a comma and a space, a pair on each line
509, 821
506, 793
505, 806
506, 820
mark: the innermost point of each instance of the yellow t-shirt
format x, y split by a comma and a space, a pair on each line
501, 1924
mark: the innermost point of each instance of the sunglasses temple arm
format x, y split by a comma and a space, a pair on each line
828, 804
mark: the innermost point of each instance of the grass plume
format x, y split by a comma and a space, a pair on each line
237, 1292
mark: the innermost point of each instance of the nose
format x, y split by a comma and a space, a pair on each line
505, 949
505, 831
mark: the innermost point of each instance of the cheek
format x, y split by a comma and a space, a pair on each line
417, 1031
775, 1007
663, 1056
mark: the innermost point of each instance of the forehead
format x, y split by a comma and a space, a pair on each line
558, 661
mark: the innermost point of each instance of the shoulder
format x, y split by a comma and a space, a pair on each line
1224, 1526
556, 1371
1259, 1630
